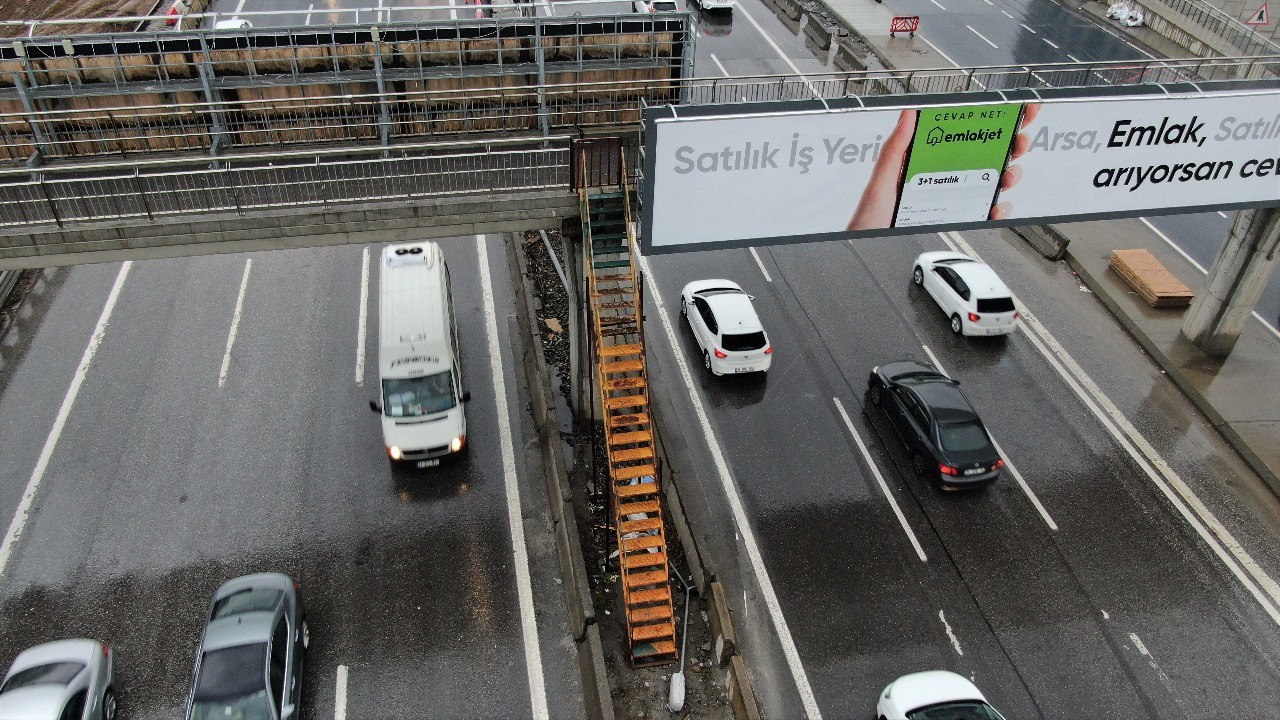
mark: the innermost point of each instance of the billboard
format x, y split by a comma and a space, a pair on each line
729, 180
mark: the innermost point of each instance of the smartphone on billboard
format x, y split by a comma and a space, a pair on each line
953, 167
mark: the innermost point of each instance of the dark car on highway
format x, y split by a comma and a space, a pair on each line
249, 665
941, 430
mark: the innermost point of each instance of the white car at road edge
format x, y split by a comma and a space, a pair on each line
725, 324
934, 695
969, 292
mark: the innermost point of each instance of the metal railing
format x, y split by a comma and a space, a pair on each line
1228, 28
186, 188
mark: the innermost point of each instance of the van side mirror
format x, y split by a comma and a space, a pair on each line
374, 406
466, 396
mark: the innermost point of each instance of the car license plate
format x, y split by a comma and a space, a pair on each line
744, 369
975, 471
429, 463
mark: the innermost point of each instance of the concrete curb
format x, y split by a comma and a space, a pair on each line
573, 568
1175, 374
1045, 239
8, 281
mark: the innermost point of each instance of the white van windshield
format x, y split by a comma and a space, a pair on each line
413, 397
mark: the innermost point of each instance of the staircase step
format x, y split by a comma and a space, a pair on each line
640, 579
605, 264
618, 421
621, 366
649, 595
616, 277
650, 632
657, 650
608, 320
626, 401
626, 492
627, 383
621, 350
629, 438
644, 542
630, 473
649, 614
631, 455
639, 507
604, 194
619, 331
645, 559
604, 292
616, 306
629, 526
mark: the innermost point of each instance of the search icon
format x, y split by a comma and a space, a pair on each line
986, 177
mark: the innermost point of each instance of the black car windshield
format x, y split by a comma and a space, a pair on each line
247, 600
744, 341
59, 673
414, 397
962, 437
966, 710
232, 684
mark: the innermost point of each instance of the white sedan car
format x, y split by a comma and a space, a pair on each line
934, 695
60, 680
726, 327
969, 292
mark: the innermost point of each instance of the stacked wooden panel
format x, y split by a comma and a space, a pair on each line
1149, 278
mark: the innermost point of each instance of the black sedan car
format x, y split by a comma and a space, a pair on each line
249, 666
942, 432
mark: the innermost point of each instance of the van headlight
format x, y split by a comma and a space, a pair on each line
395, 453
457, 443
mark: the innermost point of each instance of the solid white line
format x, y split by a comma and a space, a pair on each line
20, 514
743, 11
524, 586
1006, 14
362, 324
1167, 241
1055, 47
310, 9
939, 51
235, 324
884, 487
1024, 27
984, 39
1008, 462
239, 7
760, 265
1214, 534
789, 650
935, 2
955, 641
340, 695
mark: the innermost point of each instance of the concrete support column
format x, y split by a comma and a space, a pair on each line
1236, 280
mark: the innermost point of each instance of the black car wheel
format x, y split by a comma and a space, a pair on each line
917, 276
873, 394
956, 326
109, 705
684, 309
918, 464
706, 361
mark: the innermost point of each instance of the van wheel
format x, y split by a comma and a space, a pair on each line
109, 705
917, 276
957, 327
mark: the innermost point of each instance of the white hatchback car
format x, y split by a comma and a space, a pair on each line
934, 695
652, 6
969, 292
726, 327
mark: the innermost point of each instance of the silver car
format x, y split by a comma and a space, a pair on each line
61, 680
249, 664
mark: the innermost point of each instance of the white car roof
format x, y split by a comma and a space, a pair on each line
734, 312
76, 650
34, 702
981, 279
921, 689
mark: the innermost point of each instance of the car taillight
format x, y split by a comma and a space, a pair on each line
999, 464
1017, 314
948, 470
106, 650
974, 317
296, 586
720, 353
768, 350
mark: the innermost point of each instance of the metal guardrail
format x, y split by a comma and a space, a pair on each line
1230, 29
185, 188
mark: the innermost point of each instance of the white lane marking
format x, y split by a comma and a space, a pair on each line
743, 11
524, 586
984, 39
989, 2
340, 694
1167, 241
1214, 534
362, 324
935, 2
239, 7
20, 516
1002, 12
1055, 47
884, 487
1106, 615
1028, 29
235, 324
720, 65
1137, 643
939, 51
310, 9
798, 674
1222, 213
955, 641
1008, 462
760, 265
1074, 58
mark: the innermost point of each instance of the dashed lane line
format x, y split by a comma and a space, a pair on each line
984, 38
340, 694
235, 324
363, 321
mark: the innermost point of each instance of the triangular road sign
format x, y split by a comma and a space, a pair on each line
1262, 17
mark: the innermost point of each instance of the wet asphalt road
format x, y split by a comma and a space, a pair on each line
164, 484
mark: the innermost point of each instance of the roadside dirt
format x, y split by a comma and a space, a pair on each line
71, 9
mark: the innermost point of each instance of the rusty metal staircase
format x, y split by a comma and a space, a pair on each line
635, 496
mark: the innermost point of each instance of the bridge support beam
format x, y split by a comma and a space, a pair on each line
1236, 280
